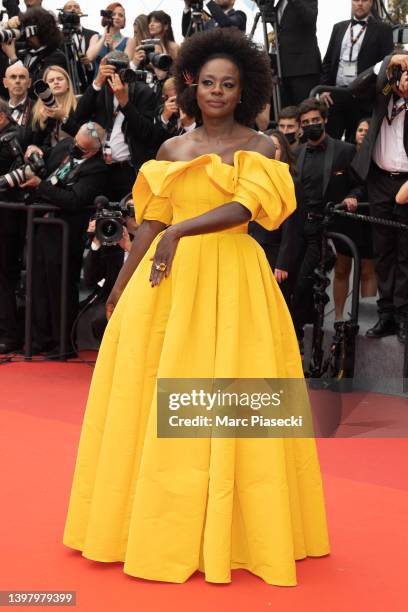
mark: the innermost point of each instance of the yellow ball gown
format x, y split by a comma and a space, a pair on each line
169, 507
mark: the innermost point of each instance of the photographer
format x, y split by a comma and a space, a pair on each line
42, 47
222, 14
126, 111
17, 82
52, 122
75, 174
159, 24
80, 38
382, 160
113, 20
171, 115
11, 232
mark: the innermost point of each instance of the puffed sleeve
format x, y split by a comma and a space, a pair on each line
151, 201
265, 187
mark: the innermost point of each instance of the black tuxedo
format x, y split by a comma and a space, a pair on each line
299, 51
346, 112
390, 245
232, 18
338, 182
74, 198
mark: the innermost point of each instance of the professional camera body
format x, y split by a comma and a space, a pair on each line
396, 75
162, 61
126, 74
70, 21
108, 17
110, 219
34, 166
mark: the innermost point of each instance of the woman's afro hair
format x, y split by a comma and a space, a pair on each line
252, 62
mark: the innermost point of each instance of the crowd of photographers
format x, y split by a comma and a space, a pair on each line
81, 111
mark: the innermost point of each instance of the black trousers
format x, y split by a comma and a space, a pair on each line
344, 117
297, 88
390, 245
47, 282
309, 258
121, 180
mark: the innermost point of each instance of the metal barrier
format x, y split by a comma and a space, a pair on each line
30, 211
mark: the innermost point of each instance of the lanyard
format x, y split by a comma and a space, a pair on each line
396, 110
355, 40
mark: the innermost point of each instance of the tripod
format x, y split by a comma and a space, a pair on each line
72, 58
268, 13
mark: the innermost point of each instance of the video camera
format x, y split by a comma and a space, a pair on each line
126, 74
9, 34
34, 166
69, 20
107, 17
111, 218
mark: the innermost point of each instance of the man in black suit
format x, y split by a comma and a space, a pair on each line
126, 112
80, 37
76, 174
299, 51
355, 45
383, 162
222, 13
324, 167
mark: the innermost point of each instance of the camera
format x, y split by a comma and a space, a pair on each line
157, 60
69, 20
108, 17
110, 219
34, 166
12, 143
396, 75
42, 91
126, 74
9, 34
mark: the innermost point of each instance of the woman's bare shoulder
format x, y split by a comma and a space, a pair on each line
261, 143
178, 148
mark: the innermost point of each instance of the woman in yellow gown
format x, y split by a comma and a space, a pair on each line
208, 307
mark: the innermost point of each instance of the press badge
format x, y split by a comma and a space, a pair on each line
350, 70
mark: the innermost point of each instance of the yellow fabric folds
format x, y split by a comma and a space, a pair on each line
167, 507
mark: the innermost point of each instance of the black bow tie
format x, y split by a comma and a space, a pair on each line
357, 22
20, 108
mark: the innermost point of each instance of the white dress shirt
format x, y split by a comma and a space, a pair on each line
118, 145
347, 70
389, 151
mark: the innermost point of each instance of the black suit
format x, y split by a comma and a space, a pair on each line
299, 51
338, 182
390, 245
232, 18
138, 128
377, 43
74, 198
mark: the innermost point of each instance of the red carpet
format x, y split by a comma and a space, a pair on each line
366, 483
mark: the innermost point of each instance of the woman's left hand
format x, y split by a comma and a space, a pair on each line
165, 251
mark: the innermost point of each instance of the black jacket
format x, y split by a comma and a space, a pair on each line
9, 220
79, 191
138, 125
339, 180
377, 43
369, 84
232, 18
298, 46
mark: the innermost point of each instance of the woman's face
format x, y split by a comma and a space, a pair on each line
218, 88
57, 82
361, 132
278, 148
119, 18
156, 28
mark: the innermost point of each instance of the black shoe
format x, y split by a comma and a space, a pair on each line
385, 326
402, 331
9, 346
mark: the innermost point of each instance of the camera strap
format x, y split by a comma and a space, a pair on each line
354, 40
396, 109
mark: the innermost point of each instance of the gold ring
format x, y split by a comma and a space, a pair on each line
161, 267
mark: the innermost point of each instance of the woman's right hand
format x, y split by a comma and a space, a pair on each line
112, 300
139, 56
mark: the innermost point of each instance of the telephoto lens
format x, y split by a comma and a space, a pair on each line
7, 35
42, 91
34, 166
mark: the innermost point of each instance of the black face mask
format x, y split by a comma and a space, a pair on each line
291, 138
75, 152
313, 132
